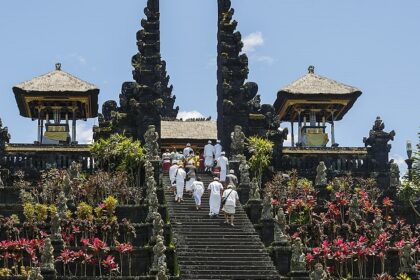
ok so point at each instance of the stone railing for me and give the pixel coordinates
(33, 157)
(337, 160)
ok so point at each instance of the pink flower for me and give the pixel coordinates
(110, 263)
(124, 248)
(309, 258)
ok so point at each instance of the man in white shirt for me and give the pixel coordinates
(217, 149)
(209, 152)
(198, 191)
(229, 198)
(180, 183)
(215, 189)
(187, 150)
(223, 162)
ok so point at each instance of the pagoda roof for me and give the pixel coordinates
(189, 130)
(313, 91)
(56, 81)
(312, 83)
(60, 88)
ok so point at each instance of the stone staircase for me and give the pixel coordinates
(208, 249)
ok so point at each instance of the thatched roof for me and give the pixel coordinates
(194, 130)
(312, 83)
(56, 81)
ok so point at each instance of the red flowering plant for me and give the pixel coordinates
(17, 251)
(125, 249)
(110, 264)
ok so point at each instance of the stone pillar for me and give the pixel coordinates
(281, 255)
(299, 128)
(267, 231)
(293, 133)
(253, 210)
(73, 129)
(243, 193)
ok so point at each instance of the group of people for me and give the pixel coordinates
(183, 176)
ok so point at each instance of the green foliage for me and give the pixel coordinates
(261, 150)
(118, 153)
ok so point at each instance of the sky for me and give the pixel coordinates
(373, 45)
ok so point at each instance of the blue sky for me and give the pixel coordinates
(373, 45)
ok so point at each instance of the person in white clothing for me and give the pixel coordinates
(229, 198)
(180, 184)
(172, 175)
(223, 163)
(217, 149)
(187, 150)
(209, 152)
(215, 189)
(198, 191)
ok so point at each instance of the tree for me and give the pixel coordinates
(119, 153)
(261, 151)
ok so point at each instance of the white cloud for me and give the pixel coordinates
(84, 133)
(400, 160)
(263, 59)
(189, 115)
(252, 41)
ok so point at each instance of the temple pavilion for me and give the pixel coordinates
(313, 102)
(55, 99)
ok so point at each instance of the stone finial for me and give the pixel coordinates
(311, 69)
(58, 66)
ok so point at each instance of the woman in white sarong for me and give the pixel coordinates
(215, 188)
(230, 197)
(180, 184)
(223, 162)
(198, 191)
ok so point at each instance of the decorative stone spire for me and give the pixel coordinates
(58, 66)
(148, 99)
(311, 69)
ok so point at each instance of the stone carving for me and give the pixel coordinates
(238, 102)
(319, 273)
(35, 274)
(4, 136)
(47, 255)
(394, 175)
(62, 205)
(377, 224)
(149, 98)
(149, 169)
(406, 256)
(151, 146)
(321, 175)
(237, 146)
(159, 257)
(278, 137)
(254, 192)
(244, 171)
(267, 208)
(162, 274)
(297, 262)
(56, 227)
(157, 226)
(280, 227)
(354, 211)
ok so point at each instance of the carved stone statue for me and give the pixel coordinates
(321, 174)
(244, 171)
(149, 169)
(56, 227)
(151, 138)
(377, 224)
(298, 262)
(354, 211)
(162, 274)
(267, 208)
(157, 226)
(35, 274)
(62, 205)
(159, 257)
(280, 227)
(4, 136)
(406, 256)
(319, 273)
(394, 176)
(254, 193)
(237, 146)
(47, 255)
